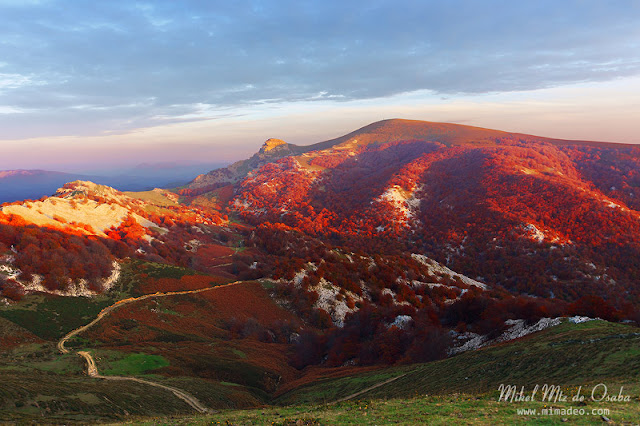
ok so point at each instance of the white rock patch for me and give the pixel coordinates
(517, 329)
(579, 319)
(534, 233)
(404, 201)
(401, 321)
(77, 288)
(436, 268)
(328, 300)
(299, 276)
(108, 283)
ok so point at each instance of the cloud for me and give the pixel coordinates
(14, 81)
(120, 65)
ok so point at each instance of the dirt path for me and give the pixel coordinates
(123, 302)
(377, 385)
(92, 368)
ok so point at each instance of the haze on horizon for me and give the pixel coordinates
(115, 84)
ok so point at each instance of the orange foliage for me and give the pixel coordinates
(246, 300)
(187, 282)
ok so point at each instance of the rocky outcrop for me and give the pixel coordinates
(272, 144)
(272, 150)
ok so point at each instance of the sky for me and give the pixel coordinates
(96, 84)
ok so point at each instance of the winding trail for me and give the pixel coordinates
(370, 388)
(92, 368)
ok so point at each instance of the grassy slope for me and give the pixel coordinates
(36, 395)
(51, 317)
(464, 388)
(567, 354)
(38, 382)
(153, 197)
(427, 410)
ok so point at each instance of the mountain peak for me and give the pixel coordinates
(271, 144)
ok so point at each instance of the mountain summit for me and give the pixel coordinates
(272, 144)
(385, 131)
(469, 197)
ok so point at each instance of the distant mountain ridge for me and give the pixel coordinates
(32, 184)
(21, 184)
(4, 174)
